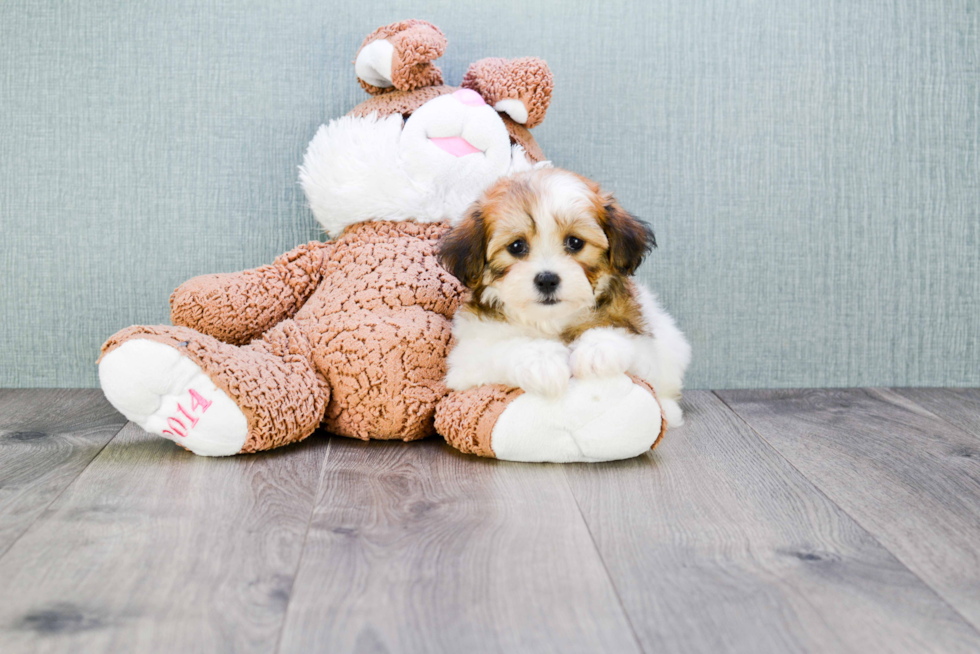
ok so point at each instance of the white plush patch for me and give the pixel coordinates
(513, 108)
(169, 395)
(595, 420)
(373, 64)
(453, 183)
(359, 169)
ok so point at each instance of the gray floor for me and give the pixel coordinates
(774, 521)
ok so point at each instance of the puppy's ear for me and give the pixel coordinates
(463, 249)
(630, 239)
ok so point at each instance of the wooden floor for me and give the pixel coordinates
(774, 521)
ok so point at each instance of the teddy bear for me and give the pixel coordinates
(351, 334)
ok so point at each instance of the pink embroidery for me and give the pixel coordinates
(182, 432)
(189, 416)
(197, 402)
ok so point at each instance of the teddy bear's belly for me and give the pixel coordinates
(380, 328)
(384, 302)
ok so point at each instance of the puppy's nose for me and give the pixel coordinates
(547, 282)
(469, 97)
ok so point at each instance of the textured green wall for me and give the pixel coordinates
(810, 166)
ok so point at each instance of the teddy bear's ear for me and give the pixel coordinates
(399, 56)
(520, 88)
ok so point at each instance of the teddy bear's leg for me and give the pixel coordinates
(385, 369)
(210, 397)
(595, 420)
(399, 56)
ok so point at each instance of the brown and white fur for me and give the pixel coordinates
(548, 257)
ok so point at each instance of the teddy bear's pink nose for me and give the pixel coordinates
(469, 97)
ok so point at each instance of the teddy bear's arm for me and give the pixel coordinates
(237, 307)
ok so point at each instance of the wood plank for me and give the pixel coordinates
(908, 477)
(418, 548)
(47, 437)
(960, 406)
(153, 549)
(715, 543)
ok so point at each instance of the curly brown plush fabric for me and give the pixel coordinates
(416, 44)
(527, 79)
(237, 307)
(466, 419)
(383, 329)
(360, 344)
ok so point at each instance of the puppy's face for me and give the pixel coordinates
(543, 247)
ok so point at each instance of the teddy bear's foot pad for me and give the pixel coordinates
(167, 394)
(595, 420)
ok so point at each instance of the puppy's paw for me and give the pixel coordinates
(542, 368)
(600, 353)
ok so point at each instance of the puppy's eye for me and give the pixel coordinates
(518, 248)
(574, 244)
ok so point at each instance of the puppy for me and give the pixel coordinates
(548, 258)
